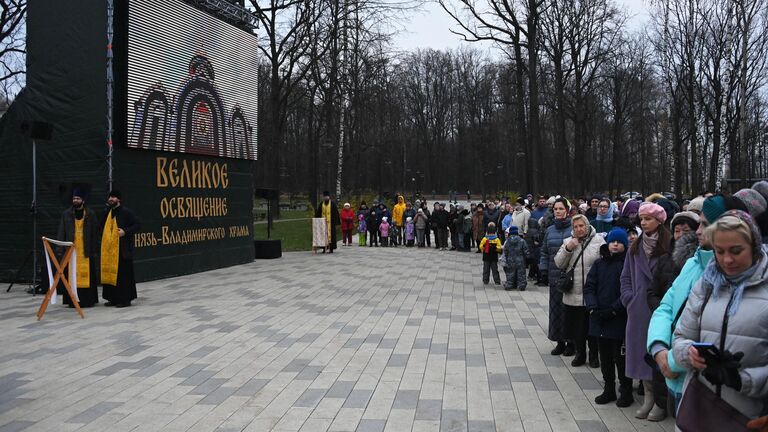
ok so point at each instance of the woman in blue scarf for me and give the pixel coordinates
(734, 287)
(603, 223)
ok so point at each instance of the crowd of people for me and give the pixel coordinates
(672, 295)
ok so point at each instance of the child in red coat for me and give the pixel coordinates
(347, 224)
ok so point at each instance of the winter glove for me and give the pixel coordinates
(725, 371)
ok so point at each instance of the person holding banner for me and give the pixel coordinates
(117, 277)
(78, 224)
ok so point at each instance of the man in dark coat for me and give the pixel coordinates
(491, 215)
(330, 211)
(441, 218)
(124, 291)
(79, 224)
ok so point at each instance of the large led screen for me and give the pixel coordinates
(192, 82)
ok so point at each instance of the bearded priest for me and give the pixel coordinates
(120, 224)
(80, 225)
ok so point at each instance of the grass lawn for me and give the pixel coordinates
(295, 235)
(261, 215)
(296, 214)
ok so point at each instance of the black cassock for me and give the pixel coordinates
(335, 220)
(88, 296)
(125, 290)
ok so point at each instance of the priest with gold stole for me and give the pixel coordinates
(120, 224)
(79, 224)
(329, 211)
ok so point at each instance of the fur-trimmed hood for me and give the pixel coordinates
(685, 247)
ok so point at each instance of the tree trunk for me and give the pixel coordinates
(534, 134)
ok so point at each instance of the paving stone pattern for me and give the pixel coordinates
(366, 339)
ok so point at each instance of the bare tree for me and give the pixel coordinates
(286, 30)
(12, 48)
(514, 24)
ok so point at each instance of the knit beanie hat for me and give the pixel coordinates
(753, 200)
(513, 230)
(551, 200)
(713, 208)
(686, 217)
(619, 235)
(762, 188)
(696, 204)
(653, 210)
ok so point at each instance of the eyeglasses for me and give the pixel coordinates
(603, 206)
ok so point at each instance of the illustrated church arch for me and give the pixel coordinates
(240, 133)
(200, 115)
(153, 112)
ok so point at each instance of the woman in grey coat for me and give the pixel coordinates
(554, 237)
(734, 286)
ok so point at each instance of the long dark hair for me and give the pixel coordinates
(663, 245)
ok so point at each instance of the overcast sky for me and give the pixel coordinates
(430, 28)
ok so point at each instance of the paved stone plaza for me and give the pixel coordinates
(366, 339)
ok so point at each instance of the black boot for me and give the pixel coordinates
(594, 361)
(569, 350)
(609, 394)
(559, 349)
(625, 396)
(579, 360)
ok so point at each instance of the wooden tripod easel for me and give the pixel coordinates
(60, 276)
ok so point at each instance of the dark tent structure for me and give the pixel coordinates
(182, 142)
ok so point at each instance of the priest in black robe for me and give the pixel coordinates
(124, 290)
(329, 210)
(80, 225)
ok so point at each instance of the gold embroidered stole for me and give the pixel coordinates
(110, 251)
(83, 263)
(327, 216)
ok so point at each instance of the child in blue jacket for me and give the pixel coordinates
(608, 318)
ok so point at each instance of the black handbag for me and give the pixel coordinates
(564, 282)
(702, 409)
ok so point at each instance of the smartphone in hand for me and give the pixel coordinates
(707, 350)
